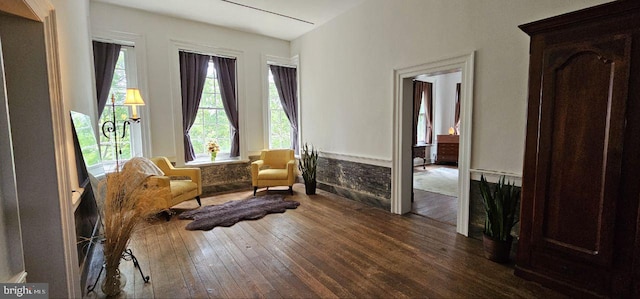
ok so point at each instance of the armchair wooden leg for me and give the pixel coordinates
(291, 190)
(198, 200)
(254, 191)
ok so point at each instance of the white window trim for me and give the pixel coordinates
(268, 60)
(138, 42)
(176, 95)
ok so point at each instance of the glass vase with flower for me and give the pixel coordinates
(213, 148)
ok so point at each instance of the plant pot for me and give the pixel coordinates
(310, 188)
(496, 250)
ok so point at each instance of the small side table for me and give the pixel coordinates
(420, 151)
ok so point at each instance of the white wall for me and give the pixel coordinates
(347, 71)
(76, 67)
(159, 33)
(445, 102)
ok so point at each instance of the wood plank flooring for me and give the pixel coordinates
(436, 206)
(329, 247)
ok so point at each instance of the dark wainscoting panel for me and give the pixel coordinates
(361, 182)
(221, 178)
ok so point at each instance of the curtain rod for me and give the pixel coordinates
(282, 64)
(208, 54)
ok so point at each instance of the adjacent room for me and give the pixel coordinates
(436, 146)
(333, 149)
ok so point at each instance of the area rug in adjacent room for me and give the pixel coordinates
(440, 180)
(229, 213)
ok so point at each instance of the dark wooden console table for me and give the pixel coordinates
(420, 151)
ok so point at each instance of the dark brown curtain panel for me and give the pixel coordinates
(286, 84)
(457, 115)
(226, 70)
(105, 56)
(193, 72)
(428, 109)
(418, 90)
(421, 89)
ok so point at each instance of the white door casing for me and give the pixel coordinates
(401, 170)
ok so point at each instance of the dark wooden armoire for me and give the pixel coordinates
(579, 228)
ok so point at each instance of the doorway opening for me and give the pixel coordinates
(436, 125)
(402, 165)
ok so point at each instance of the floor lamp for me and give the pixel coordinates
(109, 127)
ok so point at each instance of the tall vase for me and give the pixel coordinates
(213, 156)
(113, 282)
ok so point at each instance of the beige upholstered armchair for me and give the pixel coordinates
(188, 184)
(275, 168)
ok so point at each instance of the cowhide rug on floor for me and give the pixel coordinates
(227, 214)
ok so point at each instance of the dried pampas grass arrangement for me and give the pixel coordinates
(128, 200)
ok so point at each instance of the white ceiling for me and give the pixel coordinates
(283, 19)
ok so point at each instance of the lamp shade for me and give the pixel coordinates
(133, 97)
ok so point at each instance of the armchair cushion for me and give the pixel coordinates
(272, 174)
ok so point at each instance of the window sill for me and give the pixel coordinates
(206, 161)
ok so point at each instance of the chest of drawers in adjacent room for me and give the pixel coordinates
(447, 151)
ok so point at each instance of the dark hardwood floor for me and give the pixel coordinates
(328, 247)
(436, 206)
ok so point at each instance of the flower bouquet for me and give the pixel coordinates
(213, 147)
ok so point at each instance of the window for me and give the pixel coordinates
(279, 125)
(211, 121)
(131, 145)
(422, 123)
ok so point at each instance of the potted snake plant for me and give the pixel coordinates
(308, 165)
(500, 206)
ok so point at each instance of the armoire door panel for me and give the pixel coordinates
(580, 210)
(579, 158)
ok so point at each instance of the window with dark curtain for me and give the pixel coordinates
(226, 70)
(105, 56)
(422, 91)
(193, 72)
(457, 115)
(287, 86)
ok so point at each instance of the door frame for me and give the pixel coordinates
(401, 170)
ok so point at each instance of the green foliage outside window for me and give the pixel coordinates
(87, 140)
(279, 125)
